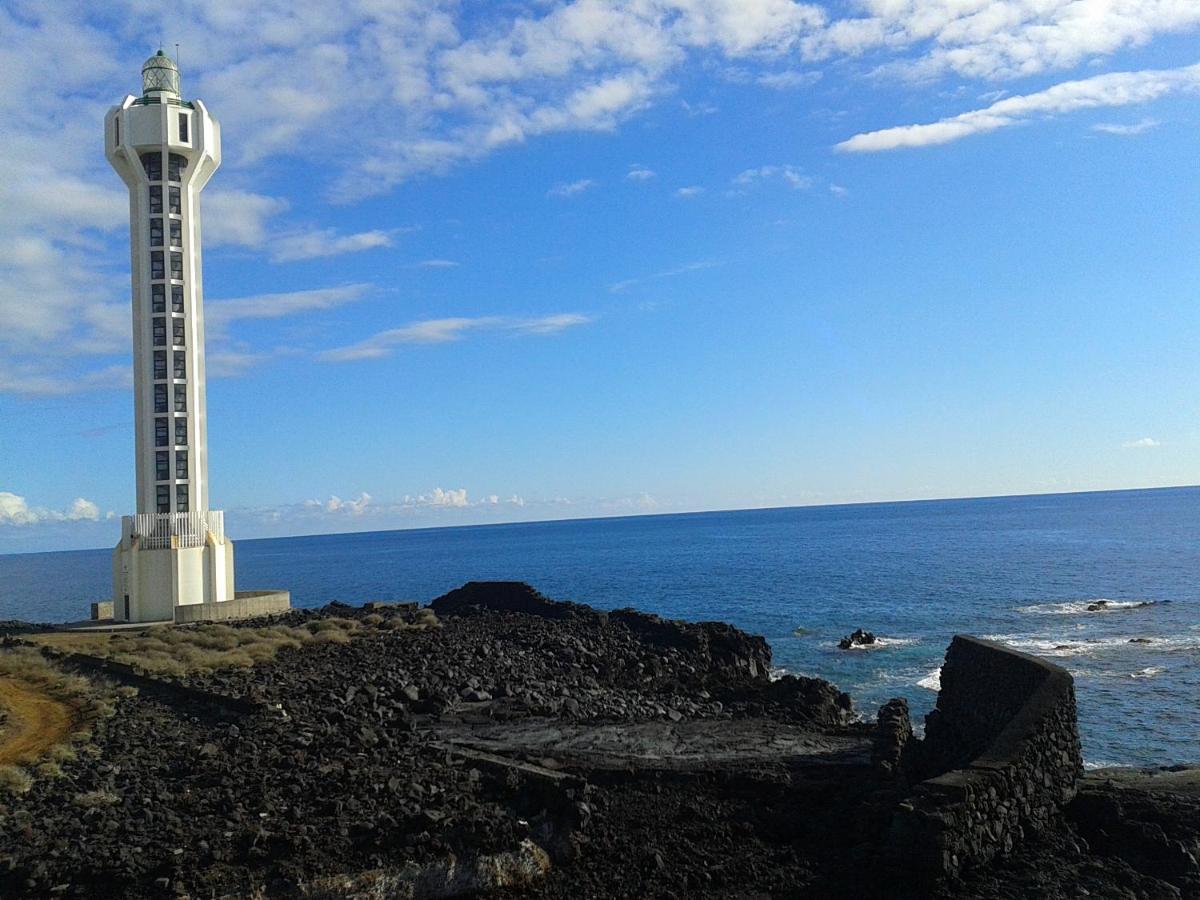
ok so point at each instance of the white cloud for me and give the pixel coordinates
(997, 38)
(15, 510)
(437, 264)
(571, 188)
(237, 217)
(789, 79)
(1126, 130)
(789, 175)
(219, 313)
(336, 504)
(444, 331)
(692, 190)
(326, 242)
(438, 497)
(1110, 90)
(1141, 443)
(838, 191)
(639, 173)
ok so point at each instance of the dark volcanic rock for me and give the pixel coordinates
(859, 638)
(476, 597)
(893, 733)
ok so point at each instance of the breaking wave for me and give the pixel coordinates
(932, 681)
(881, 643)
(1075, 646)
(1079, 607)
(1148, 672)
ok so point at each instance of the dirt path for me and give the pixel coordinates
(35, 723)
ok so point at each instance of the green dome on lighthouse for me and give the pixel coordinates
(160, 73)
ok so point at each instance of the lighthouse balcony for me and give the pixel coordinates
(157, 531)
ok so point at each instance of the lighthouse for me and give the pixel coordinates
(174, 561)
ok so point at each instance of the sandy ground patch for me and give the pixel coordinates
(35, 721)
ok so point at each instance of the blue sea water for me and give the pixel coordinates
(1017, 569)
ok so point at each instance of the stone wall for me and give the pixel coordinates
(1000, 758)
(244, 605)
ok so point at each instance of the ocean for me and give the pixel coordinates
(1023, 570)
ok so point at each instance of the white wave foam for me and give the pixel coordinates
(932, 681)
(1101, 764)
(1148, 672)
(881, 643)
(1077, 607)
(1074, 646)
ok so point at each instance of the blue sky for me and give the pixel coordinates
(474, 263)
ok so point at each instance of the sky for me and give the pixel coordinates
(469, 263)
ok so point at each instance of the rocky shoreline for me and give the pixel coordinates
(510, 744)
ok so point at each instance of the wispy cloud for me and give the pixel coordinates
(1110, 90)
(1126, 130)
(365, 505)
(788, 175)
(1141, 444)
(326, 242)
(436, 264)
(789, 79)
(692, 190)
(639, 173)
(219, 313)
(444, 331)
(571, 188)
(622, 286)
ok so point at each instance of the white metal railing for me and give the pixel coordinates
(190, 529)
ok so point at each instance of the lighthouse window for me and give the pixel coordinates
(161, 433)
(164, 498)
(183, 128)
(156, 232)
(176, 298)
(157, 269)
(160, 364)
(158, 299)
(160, 398)
(181, 471)
(177, 332)
(156, 198)
(180, 364)
(162, 465)
(181, 430)
(173, 198)
(176, 233)
(152, 163)
(175, 166)
(180, 398)
(160, 332)
(181, 498)
(177, 266)
(116, 131)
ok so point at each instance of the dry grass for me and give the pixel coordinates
(49, 716)
(174, 651)
(14, 780)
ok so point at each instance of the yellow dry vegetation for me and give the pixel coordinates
(172, 651)
(45, 710)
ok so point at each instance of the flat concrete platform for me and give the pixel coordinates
(694, 744)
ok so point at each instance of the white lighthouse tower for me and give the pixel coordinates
(173, 554)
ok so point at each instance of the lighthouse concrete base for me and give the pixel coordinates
(149, 585)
